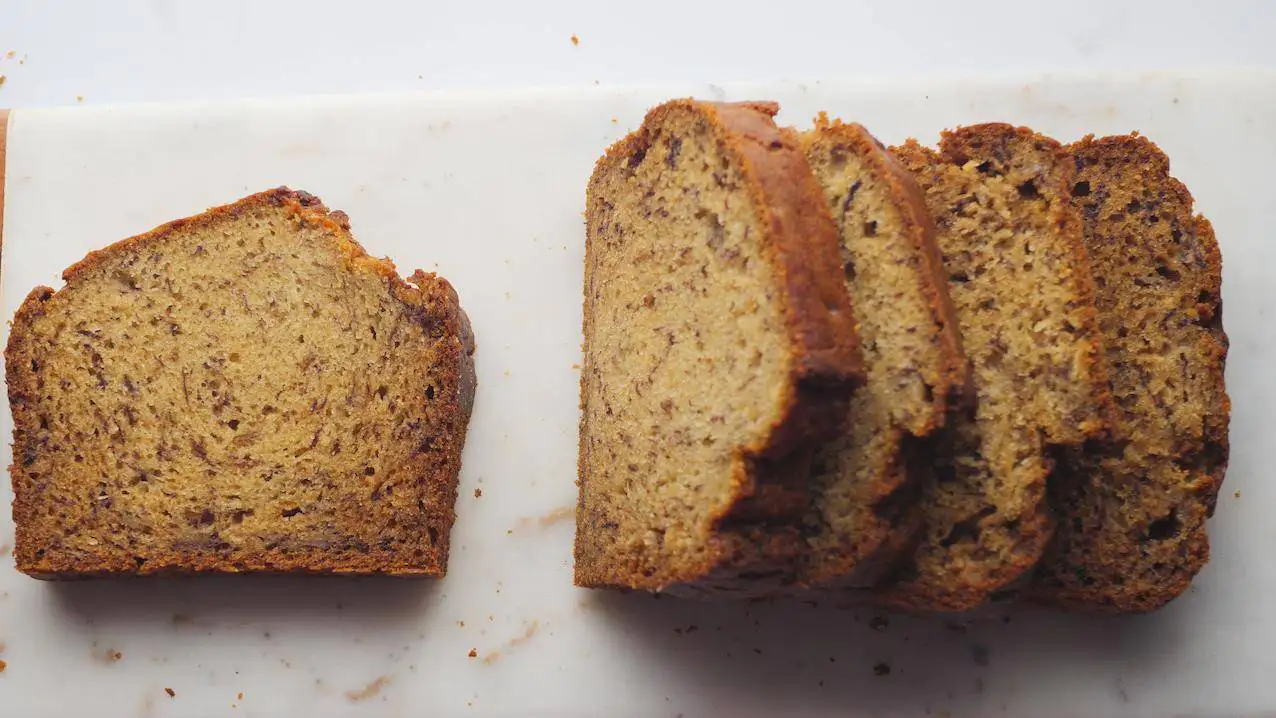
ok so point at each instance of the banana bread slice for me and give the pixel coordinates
(1132, 519)
(241, 391)
(864, 510)
(719, 348)
(1021, 284)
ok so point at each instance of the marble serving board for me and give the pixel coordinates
(487, 189)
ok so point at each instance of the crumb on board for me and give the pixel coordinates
(2, 80)
(369, 691)
(615, 120)
(575, 40)
(171, 693)
(557, 516)
(108, 656)
(10, 54)
(575, 366)
(478, 493)
(473, 653)
(1237, 494)
(460, 624)
(882, 669)
(79, 98)
(240, 696)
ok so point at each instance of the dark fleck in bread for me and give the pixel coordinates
(1018, 276)
(1132, 519)
(244, 390)
(719, 348)
(864, 498)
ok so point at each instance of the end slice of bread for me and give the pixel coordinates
(245, 390)
(719, 348)
(1021, 284)
(1132, 517)
(864, 509)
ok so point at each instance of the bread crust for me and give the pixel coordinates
(759, 533)
(435, 306)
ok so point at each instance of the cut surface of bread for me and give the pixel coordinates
(1132, 519)
(244, 390)
(864, 509)
(1021, 285)
(719, 348)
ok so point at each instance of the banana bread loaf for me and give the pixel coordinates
(244, 390)
(864, 510)
(719, 348)
(1020, 281)
(1132, 518)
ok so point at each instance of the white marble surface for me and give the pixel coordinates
(487, 188)
(91, 52)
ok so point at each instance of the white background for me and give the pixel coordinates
(296, 647)
(158, 50)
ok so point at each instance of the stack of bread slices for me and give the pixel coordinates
(927, 377)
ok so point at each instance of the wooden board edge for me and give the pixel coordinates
(4, 135)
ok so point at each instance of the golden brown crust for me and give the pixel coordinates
(435, 307)
(759, 526)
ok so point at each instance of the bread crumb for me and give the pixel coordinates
(575, 40)
(171, 693)
(10, 54)
(110, 655)
(473, 653)
(575, 366)
(79, 98)
(2, 80)
(478, 493)
(240, 696)
(369, 691)
(615, 120)
(1237, 494)
(882, 669)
